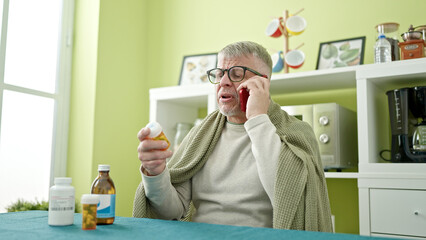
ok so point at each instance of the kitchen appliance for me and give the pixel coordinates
(413, 45)
(335, 128)
(407, 112)
(422, 29)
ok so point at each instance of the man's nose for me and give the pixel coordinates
(225, 81)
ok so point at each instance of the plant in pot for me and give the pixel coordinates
(23, 205)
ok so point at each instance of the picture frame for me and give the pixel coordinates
(341, 53)
(194, 68)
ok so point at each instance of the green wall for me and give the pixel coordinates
(123, 48)
(109, 102)
(83, 91)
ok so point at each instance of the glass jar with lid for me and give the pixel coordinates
(182, 129)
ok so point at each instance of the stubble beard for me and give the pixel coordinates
(233, 111)
(229, 112)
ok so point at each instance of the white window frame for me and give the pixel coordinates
(61, 96)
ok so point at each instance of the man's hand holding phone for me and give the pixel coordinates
(254, 96)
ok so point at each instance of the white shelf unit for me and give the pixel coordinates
(377, 180)
(391, 195)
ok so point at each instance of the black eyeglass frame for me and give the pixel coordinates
(229, 76)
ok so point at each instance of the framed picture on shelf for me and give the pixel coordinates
(341, 53)
(194, 68)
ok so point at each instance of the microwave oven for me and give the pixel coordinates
(335, 128)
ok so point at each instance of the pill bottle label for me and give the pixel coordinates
(62, 203)
(61, 210)
(106, 205)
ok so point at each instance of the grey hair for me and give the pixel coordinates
(247, 48)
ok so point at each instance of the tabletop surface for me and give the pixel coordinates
(33, 225)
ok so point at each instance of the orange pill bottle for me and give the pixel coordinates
(89, 204)
(157, 133)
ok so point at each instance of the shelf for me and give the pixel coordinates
(317, 80)
(387, 72)
(189, 95)
(394, 73)
(346, 175)
(407, 73)
(402, 170)
(373, 81)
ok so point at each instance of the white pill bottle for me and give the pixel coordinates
(61, 202)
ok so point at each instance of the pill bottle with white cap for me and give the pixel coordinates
(157, 133)
(89, 204)
(61, 202)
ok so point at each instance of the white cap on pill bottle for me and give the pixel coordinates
(155, 128)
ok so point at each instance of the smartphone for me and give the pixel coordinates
(244, 94)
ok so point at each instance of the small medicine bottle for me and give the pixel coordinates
(61, 202)
(104, 188)
(89, 204)
(157, 133)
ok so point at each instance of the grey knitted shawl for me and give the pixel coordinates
(300, 199)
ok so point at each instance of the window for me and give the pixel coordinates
(35, 63)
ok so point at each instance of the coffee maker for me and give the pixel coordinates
(407, 111)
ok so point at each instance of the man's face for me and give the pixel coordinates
(226, 91)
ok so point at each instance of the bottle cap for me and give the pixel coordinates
(89, 199)
(62, 180)
(155, 128)
(103, 167)
(381, 35)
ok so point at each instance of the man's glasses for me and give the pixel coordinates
(235, 74)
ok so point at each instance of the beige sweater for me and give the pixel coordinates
(300, 194)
